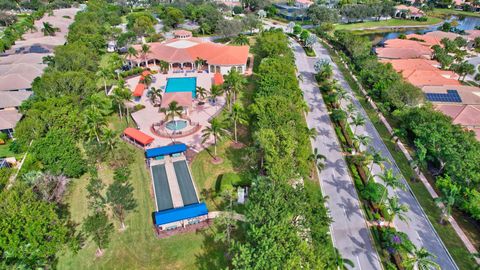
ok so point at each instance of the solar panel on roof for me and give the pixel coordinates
(450, 96)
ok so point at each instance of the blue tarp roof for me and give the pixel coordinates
(165, 150)
(177, 214)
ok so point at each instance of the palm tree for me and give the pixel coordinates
(172, 111)
(49, 30)
(420, 259)
(199, 62)
(144, 51)
(318, 159)
(378, 159)
(31, 27)
(396, 209)
(358, 120)
(217, 131)
(234, 83)
(155, 96)
(448, 201)
(362, 140)
(215, 92)
(390, 180)
(104, 74)
(350, 109)
(340, 262)
(342, 94)
(338, 115)
(147, 79)
(109, 138)
(238, 116)
(241, 39)
(94, 122)
(119, 96)
(131, 52)
(164, 66)
(201, 92)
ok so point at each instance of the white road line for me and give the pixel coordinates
(358, 261)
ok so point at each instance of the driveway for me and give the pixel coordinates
(349, 230)
(418, 228)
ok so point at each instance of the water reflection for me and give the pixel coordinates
(464, 23)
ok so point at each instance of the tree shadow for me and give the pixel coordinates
(213, 254)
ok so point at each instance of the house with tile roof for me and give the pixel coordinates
(408, 12)
(184, 54)
(467, 116)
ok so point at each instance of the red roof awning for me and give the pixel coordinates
(139, 90)
(146, 73)
(217, 79)
(138, 136)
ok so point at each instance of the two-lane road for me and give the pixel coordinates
(349, 230)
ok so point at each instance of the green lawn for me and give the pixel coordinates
(5, 151)
(386, 24)
(137, 247)
(445, 12)
(451, 240)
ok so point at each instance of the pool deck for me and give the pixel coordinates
(146, 117)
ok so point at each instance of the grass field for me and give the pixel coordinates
(386, 24)
(451, 240)
(444, 12)
(137, 247)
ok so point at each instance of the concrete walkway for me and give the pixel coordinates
(349, 230)
(418, 228)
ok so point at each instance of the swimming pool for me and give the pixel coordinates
(176, 125)
(187, 84)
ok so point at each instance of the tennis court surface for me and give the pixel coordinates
(189, 196)
(162, 189)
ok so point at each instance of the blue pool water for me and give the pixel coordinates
(176, 125)
(187, 84)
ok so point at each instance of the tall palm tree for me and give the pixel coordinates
(238, 116)
(390, 180)
(358, 120)
(318, 159)
(396, 209)
(201, 92)
(420, 259)
(144, 51)
(104, 74)
(217, 131)
(155, 96)
(448, 200)
(172, 111)
(199, 62)
(49, 30)
(164, 66)
(215, 92)
(234, 83)
(119, 96)
(94, 122)
(340, 262)
(131, 52)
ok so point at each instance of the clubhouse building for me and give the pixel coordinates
(185, 53)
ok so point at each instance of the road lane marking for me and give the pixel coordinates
(359, 265)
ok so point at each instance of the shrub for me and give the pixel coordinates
(229, 181)
(3, 136)
(373, 192)
(138, 107)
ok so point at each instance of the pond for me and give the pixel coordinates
(464, 23)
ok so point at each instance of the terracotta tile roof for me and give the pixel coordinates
(465, 115)
(10, 99)
(422, 78)
(183, 99)
(410, 44)
(427, 40)
(217, 79)
(138, 136)
(440, 35)
(9, 119)
(401, 53)
(188, 50)
(477, 133)
(139, 90)
(413, 10)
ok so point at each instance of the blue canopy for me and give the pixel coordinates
(165, 150)
(177, 214)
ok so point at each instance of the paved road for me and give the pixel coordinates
(349, 231)
(418, 228)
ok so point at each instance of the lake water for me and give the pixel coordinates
(464, 23)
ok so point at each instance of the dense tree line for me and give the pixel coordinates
(287, 223)
(65, 134)
(446, 150)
